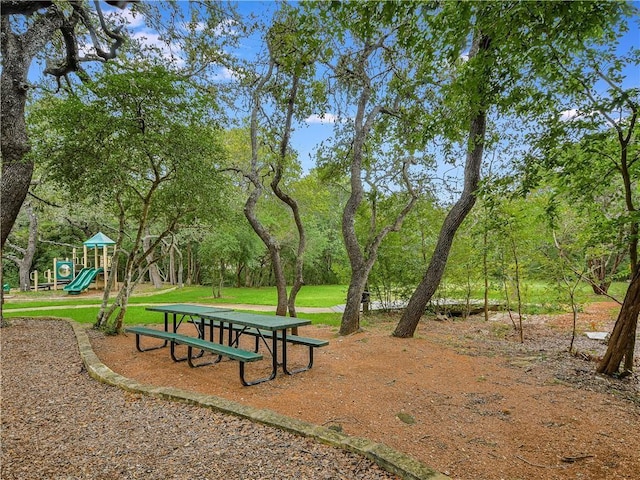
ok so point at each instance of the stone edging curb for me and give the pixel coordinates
(391, 460)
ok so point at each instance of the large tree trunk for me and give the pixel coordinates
(623, 337)
(284, 303)
(18, 52)
(270, 242)
(411, 316)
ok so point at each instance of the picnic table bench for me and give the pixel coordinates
(234, 353)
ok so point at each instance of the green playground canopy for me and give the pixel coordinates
(99, 240)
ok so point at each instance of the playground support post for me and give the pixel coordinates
(34, 277)
(104, 265)
(55, 274)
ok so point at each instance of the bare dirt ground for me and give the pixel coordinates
(463, 396)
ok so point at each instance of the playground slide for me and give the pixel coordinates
(79, 279)
(82, 280)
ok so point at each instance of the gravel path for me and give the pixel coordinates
(59, 424)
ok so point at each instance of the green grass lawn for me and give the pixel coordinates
(309, 296)
(85, 309)
(139, 315)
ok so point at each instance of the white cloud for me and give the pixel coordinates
(324, 118)
(568, 115)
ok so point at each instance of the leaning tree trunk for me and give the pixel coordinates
(351, 316)
(623, 338)
(272, 246)
(415, 308)
(281, 281)
(417, 303)
(298, 279)
(622, 341)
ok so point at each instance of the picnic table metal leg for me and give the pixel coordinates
(254, 382)
(260, 337)
(164, 343)
(140, 349)
(221, 333)
(190, 358)
(274, 364)
(274, 354)
(201, 332)
(302, 369)
(210, 329)
(182, 359)
(284, 357)
(173, 354)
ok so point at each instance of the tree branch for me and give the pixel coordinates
(23, 7)
(40, 199)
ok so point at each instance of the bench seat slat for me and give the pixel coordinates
(231, 352)
(152, 332)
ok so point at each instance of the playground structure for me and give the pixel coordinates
(94, 269)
